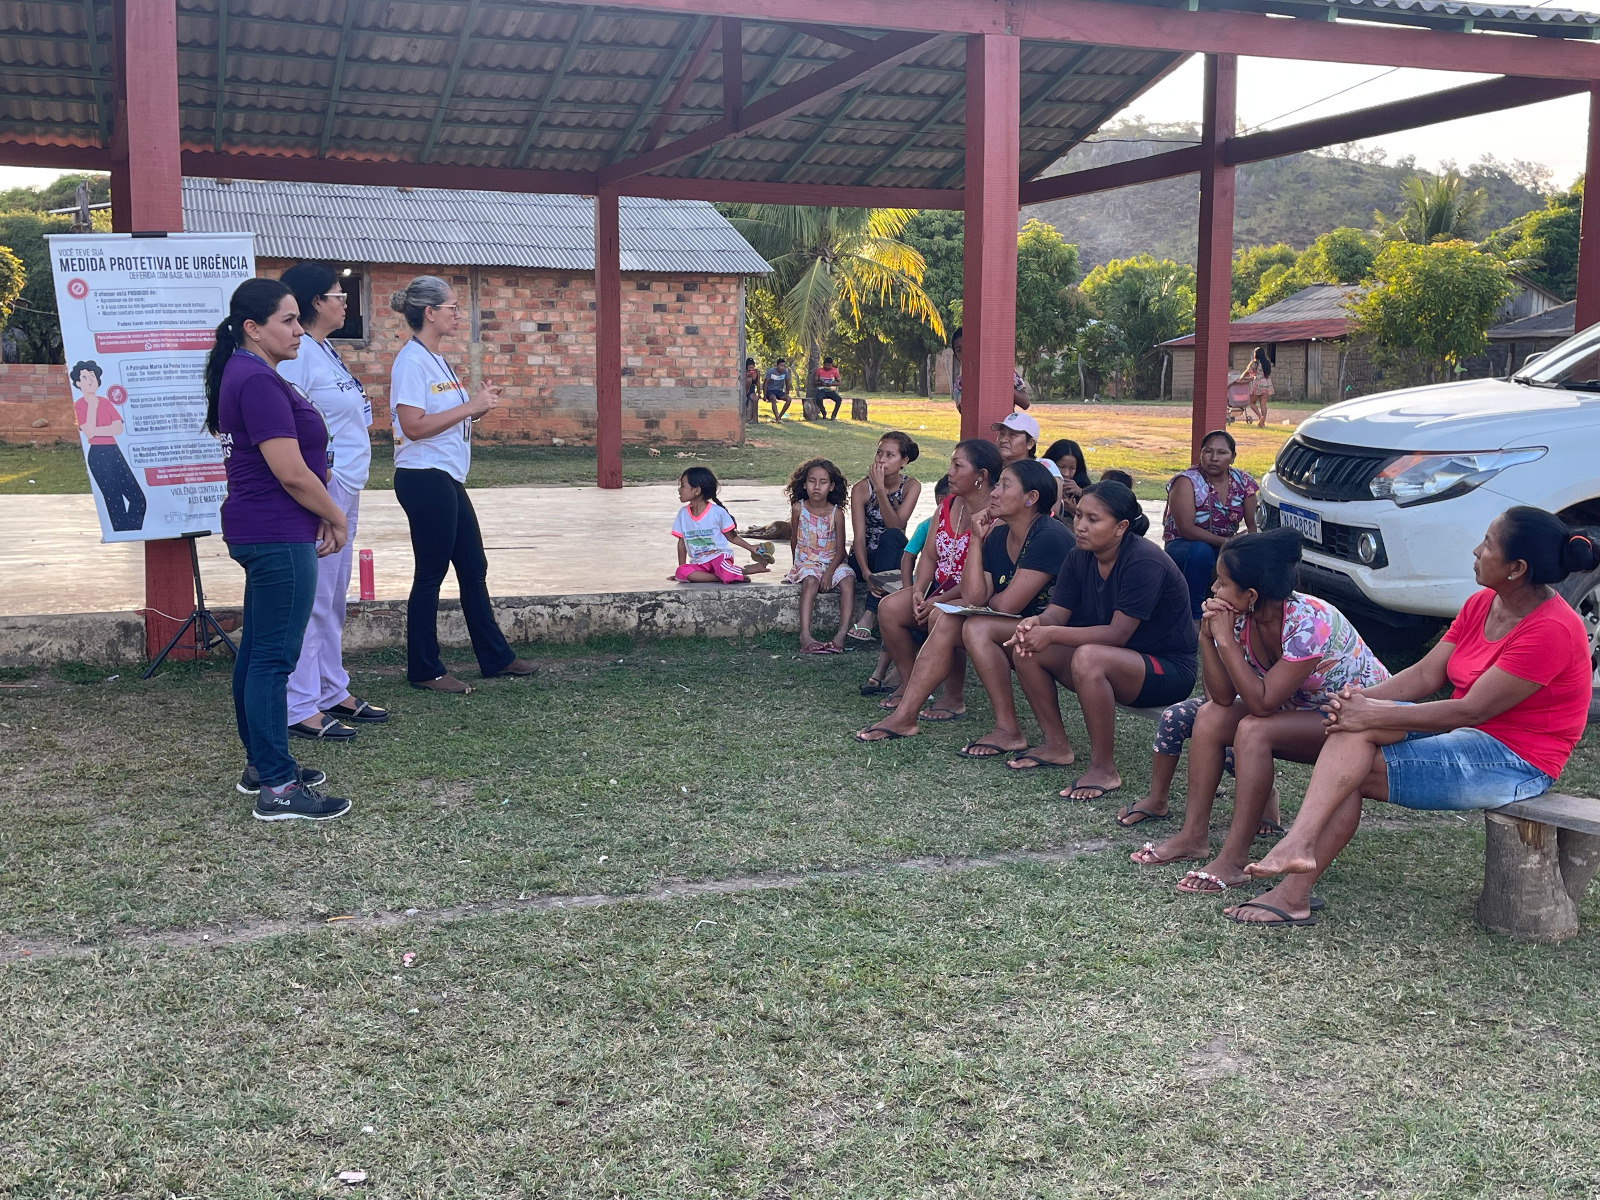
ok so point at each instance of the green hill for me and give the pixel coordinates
(1286, 200)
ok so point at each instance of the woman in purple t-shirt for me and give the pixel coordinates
(277, 520)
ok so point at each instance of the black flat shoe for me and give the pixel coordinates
(329, 731)
(361, 713)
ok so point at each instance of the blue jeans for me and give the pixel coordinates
(280, 582)
(1197, 561)
(1458, 771)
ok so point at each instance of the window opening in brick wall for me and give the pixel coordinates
(354, 283)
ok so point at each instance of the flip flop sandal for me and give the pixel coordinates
(1149, 848)
(1284, 919)
(362, 713)
(950, 715)
(329, 731)
(892, 703)
(859, 633)
(876, 687)
(1206, 884)
(1039, 764)
(1143, 814)
(822, 648)
(1080, 786)
(1316, 904)
(889, 735)
(967, 751)
(1268, 829)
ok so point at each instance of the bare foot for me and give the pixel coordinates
(1286, 858)
(1174, 849)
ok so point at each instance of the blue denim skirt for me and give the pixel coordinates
(1459, 770)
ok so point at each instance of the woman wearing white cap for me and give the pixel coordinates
(1017, 437)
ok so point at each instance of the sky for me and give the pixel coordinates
(1278, 92)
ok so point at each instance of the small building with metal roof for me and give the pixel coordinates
(1511, 342)
(523, 268)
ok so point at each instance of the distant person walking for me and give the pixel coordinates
(319, 688)
(277, 520)
(1259, 376)
(775, 384)
(100, 423)
(1020, 397)
(432, 452)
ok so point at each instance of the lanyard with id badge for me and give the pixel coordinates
(444, 365)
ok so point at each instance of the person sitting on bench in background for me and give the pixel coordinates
(827, 382)
(1517, 663)
(775, 385)
(1117, 631)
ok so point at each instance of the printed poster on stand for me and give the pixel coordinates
(138, 317)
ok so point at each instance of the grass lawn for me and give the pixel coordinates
(1059, 1023)
(1139, 438)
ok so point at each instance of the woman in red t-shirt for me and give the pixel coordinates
(1517, 662)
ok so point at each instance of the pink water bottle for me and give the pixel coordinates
(368, 588)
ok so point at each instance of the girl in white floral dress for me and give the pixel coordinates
(817, 492)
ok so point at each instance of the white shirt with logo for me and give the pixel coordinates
(324, 380)
(423, 379)
(704, 537)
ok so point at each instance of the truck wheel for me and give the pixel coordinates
(1583, 593)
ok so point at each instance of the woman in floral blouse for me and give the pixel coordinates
(1272, 657)
(1206, 505)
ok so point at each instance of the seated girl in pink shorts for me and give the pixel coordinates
(706, 534)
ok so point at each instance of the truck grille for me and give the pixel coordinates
(1319, 471)
(1338, 541)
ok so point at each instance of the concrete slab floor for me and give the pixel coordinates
(541, 541)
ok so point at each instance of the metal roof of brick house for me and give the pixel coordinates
(1554, 322)
(435, 227)
(1316, 313)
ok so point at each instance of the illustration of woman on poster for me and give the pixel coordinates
(100, 422)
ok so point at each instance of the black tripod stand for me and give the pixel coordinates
(200, 621)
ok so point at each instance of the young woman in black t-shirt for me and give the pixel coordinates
(1117, 631)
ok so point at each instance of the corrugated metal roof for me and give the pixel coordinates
(1319, 302)
(1262, 332)
(434, 227)
(1554, 322)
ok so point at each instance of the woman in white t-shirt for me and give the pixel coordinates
(432, 450)
(319, 687)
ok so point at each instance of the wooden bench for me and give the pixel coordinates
(1539, 856)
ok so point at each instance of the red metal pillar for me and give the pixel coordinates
(1588, 311)
(989, 266)
(147, 196)
(607, 339)
(1214, 264)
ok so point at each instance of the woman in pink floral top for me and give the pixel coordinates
(1271, 658)
(1206, 505)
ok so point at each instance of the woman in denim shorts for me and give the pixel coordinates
(1517, 663)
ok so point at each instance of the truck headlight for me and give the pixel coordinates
(1423, 478)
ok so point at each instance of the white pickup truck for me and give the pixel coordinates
(1391, 492)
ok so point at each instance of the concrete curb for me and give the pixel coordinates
(685, 610)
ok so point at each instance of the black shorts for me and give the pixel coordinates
(1166, 681)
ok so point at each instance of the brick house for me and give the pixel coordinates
(523, 268)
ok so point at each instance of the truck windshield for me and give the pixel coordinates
(1574, 365)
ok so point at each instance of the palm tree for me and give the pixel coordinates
(1434, 209)
(827, 261)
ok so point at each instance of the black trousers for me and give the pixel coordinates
(444, 533)
(885, 558)
(830, 394)
(125, 502)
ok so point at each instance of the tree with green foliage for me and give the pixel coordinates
(1543, 244)
(1138, 303)
(937, 235)
(1434, 208)
(12, 277)
(58, 193)
(828, 262)
(1435, 301)
(1250, 263)
(1049, 309)
(34, 323)
(1342, 255)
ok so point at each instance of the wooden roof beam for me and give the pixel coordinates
(827, 33)
(797, 160)
(669, 108)
(536, 119)
(732, 70)
(922, 127)
(1113, 175)
(337, 78)
(469, 24)
(690, 38)
(887, 51)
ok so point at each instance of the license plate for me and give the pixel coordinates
(1307, 523)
